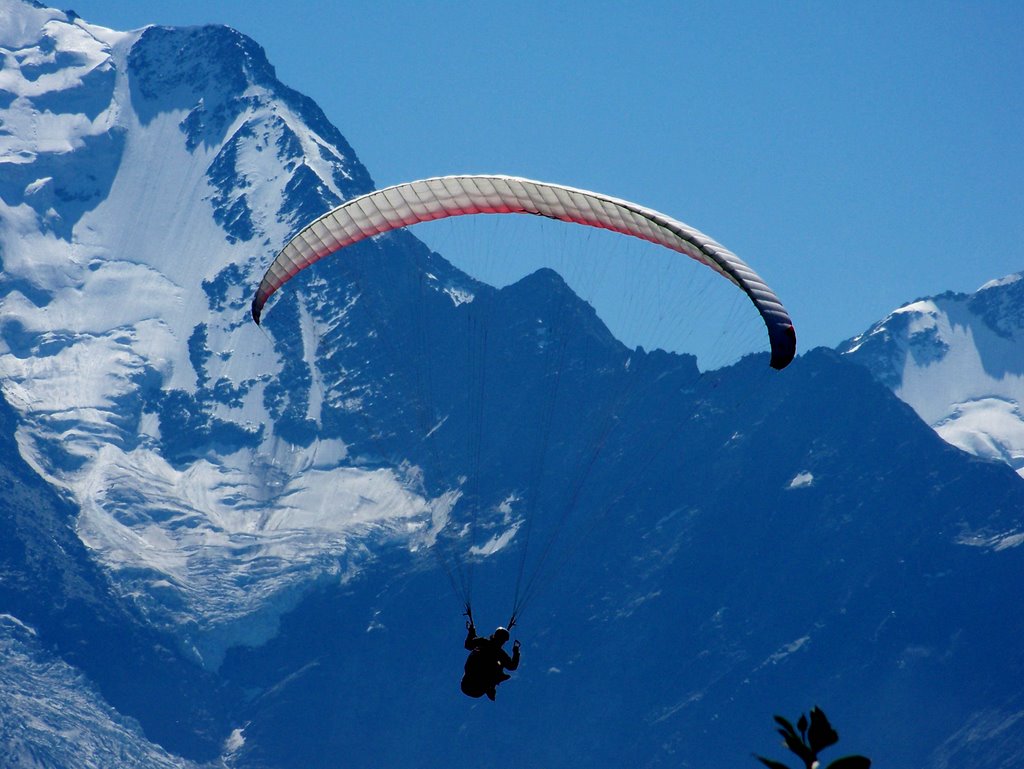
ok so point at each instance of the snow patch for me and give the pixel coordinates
(37, 185)
(996, 542)
(987, 427)
(235, 741)
(791, 648)
(459, 296)
(440, 509)
(1009, 280)
(801, 481)
(497, 542)
(375, 623)
(10, 619)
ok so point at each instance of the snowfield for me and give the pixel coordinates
(107, 302)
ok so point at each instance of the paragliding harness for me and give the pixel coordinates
(485, 667)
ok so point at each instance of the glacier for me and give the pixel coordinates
(117, 289)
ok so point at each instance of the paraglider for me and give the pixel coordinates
(436, 198)
(487, 662)
(441, 197)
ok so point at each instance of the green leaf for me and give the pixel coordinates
(786, 725)
(821, 733)
(850, 762)
(771, 764)
(796, 745)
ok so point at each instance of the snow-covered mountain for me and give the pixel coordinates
(217, 543)
(958, 361)
(140, 201)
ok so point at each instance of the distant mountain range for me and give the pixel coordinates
(227, 546)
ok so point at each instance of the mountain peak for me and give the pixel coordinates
(1007, 280)
(545, 295)
(212, 65)
(958, 360)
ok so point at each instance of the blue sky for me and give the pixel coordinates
(858, 155)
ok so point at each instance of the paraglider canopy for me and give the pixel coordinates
(441, 197)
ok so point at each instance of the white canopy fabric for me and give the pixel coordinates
(446, 196)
